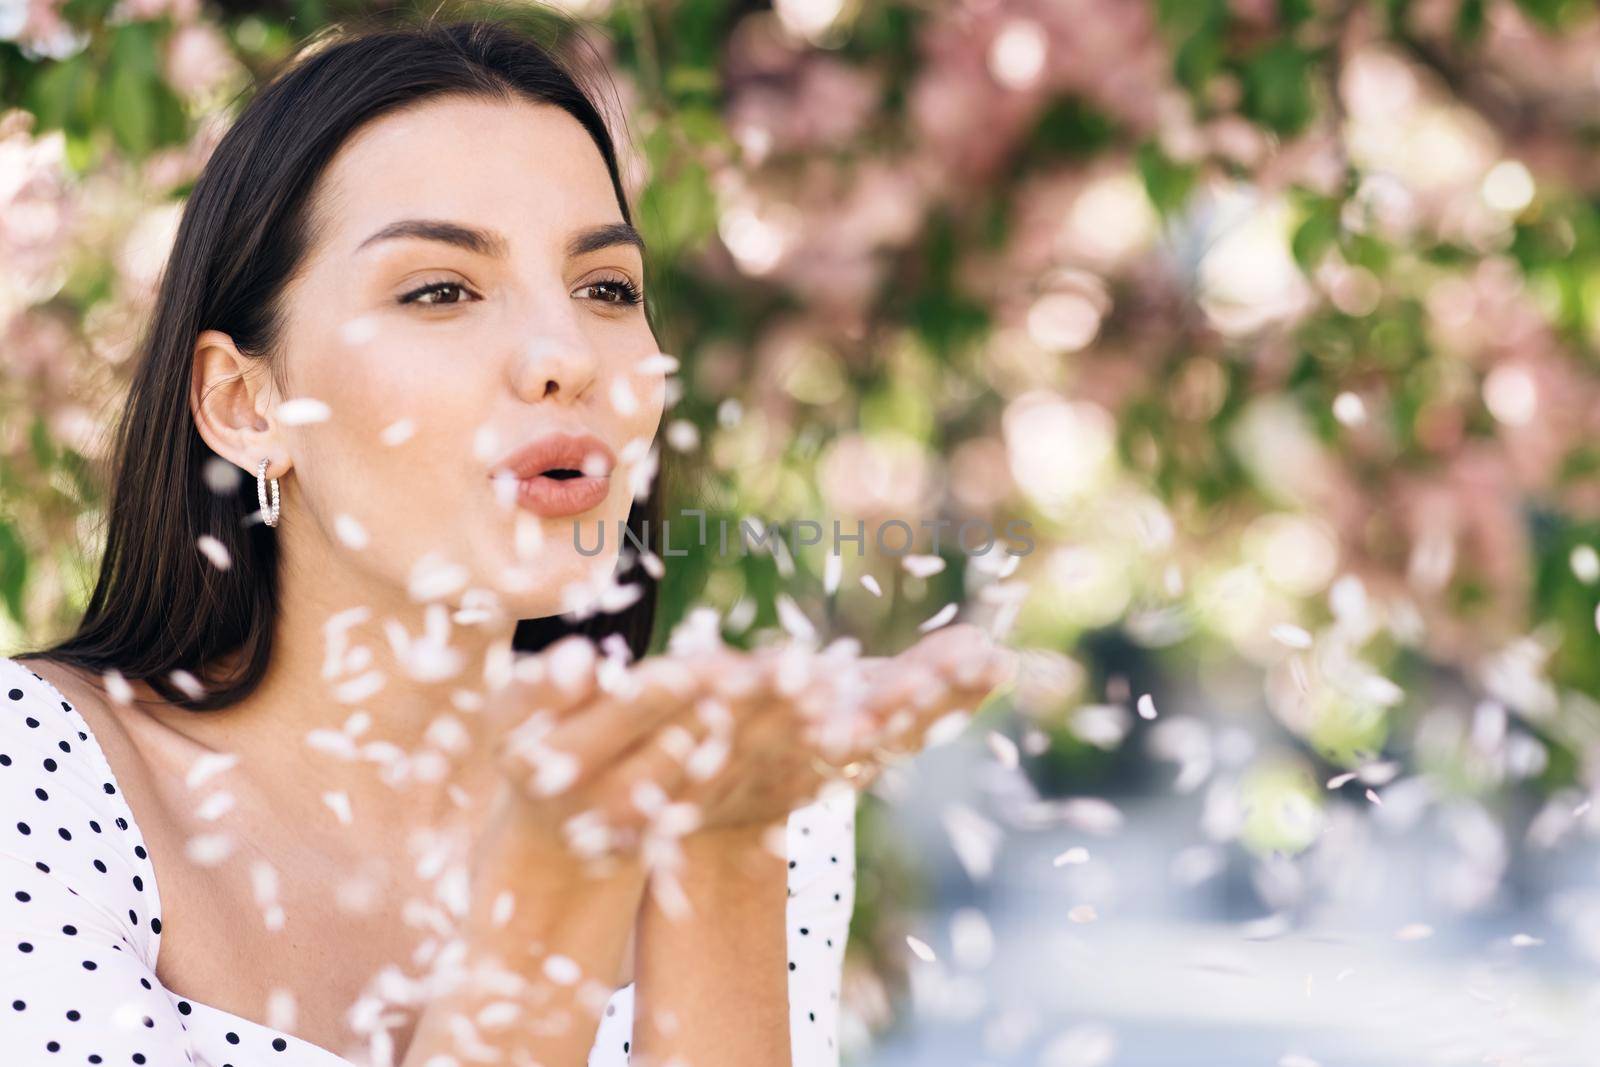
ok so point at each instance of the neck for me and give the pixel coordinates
(368, 702)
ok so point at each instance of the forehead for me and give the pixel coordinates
(527, 169)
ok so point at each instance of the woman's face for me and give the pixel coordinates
(440, 349)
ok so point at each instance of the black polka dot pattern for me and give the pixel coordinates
(80, 922)
(80, 927)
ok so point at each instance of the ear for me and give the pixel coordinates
(230, 397)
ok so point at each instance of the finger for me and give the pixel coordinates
(546, 684)
(638, 796)
(552, 757)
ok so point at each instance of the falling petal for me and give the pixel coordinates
(975, 838)
(354, 690)
(555, 773)
(1585, 563)
(922, 566)
(359, 331)
(920, 947)
(281, 1009)
(946, 728)
(188, 683)
(1291, 636)
(117, 687)
(1004, 749)
(623, 398)
(208, 766)
(1085, 1045)
(264, 885)
(708, 758)
(660, 363)
(215, 551)
(434, 577)
(303, 411)
(215, 806)
(682, 435)
(1094, 815)
(1147, 706)
(331, 742)
(562, 970)
(221, 476)
(398, 432)
(939, 618)
(572, 664)
(648, 797)
(832, 571)
(208, 850)
(350, 532)
(1525, 940)
(971, 938)
(1372, 796)
(871, 585)
(1349, 410)
(1082, 913)
(1076, 854)
(339, 804)
(794, 620)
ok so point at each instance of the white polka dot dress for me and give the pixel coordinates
(80, 918)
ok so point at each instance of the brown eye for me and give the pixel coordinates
(418, 296)
(623, 291)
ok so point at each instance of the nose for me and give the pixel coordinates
(555, 367)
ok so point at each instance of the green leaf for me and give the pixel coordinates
(1550, 13)
(1167, 182)
(1277, 87)
(1070, 128)
(13, 570)
(1197, 58)
(692, 81)
(1292, 13)
(1315, 235)
(1469, 21)
(44, 451)
(130, 111)
(135, 101)
(62, 97)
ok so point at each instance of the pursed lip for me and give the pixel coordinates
(582, 452)
(559, 474)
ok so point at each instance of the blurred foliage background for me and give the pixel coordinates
(1276, 320)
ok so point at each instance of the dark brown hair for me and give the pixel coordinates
(159, 604)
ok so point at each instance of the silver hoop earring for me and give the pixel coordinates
(269, 516)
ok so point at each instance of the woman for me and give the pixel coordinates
(332, 765)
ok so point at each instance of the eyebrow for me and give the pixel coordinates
(492, 243)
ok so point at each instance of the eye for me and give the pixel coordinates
(418, 296)
(623, 291)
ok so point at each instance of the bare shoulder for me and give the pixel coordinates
(88, 697)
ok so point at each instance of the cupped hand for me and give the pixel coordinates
(613, 755)
(835, 717)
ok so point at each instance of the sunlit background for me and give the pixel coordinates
(1276, 320)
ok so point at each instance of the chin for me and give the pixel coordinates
(558, 580)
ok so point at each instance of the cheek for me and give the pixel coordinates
(418, 407)
(398, 439)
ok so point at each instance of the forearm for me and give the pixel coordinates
(712, 986)
(543, 958)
